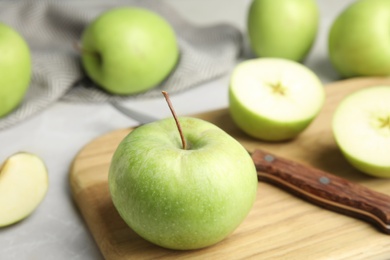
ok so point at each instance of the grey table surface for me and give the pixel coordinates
(56, 229)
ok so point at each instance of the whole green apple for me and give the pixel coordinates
(274, 99)
(129, 50)
(282, 28)
(358, 39)
(15, 69)
(182, 198)
(361, 127)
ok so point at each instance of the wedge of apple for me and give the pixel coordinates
(23, 185)
(361, 127)
(274, 99)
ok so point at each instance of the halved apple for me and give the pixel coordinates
(361, 127)
(23, 185)
(274, 99)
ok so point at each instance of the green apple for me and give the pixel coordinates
(282, 28)
(23, 185)
(274, 99)
(361, 127)
(182, 198)
(129, 50)
(358, 39)
(15, 69)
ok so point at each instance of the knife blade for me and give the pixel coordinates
(314, 185)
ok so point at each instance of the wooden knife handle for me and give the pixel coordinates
(324, 189)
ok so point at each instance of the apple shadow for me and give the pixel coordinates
(116, 238)
(331, 159)
(328, 158)
(224, 121)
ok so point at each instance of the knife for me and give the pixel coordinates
(311, 184)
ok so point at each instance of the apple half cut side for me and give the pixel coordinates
(23, 185)
(361, 127)
(274, 99)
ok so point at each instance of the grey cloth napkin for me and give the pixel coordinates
(51, 29)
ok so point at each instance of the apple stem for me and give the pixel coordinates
(79, 48)
(183, 140)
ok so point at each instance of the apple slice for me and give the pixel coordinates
(274, 99)
(23, 185)
(361, 127)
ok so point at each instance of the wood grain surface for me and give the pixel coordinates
(280, 226)
(324, 189)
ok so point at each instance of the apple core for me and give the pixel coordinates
(385, 122)
(278, 88)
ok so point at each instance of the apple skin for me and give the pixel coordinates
(358, 39)
(261, 127)
(15, 69)
(282, 28)
(182, 199)
(367, 167)
(129, 50)
(361, 127)
(269, 117)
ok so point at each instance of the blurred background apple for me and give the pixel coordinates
(15, 69)
(129, 50)
(282, 28)
(359, 39)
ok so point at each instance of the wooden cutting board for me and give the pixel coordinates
(280, 226)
